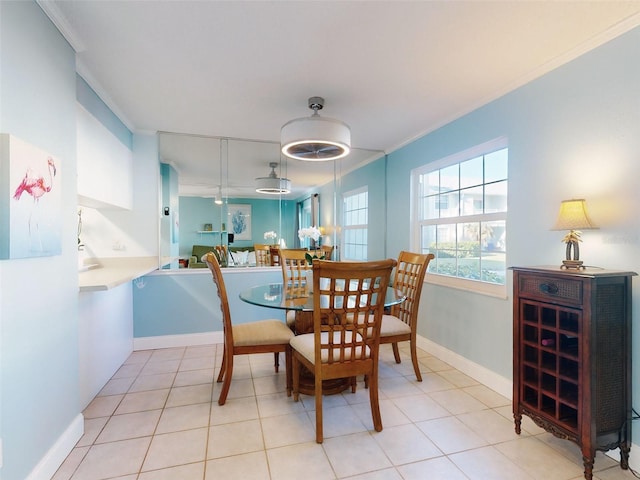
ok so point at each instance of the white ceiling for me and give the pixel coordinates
(392, 70)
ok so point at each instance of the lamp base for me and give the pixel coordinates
(572, 265)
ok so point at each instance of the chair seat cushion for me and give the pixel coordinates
(392, 325)
(304, 344)
(262, 332)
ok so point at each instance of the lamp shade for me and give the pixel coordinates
(573, 216)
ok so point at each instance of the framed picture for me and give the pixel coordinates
(30, 200)
(240, 221)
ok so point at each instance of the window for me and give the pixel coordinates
(355, 209)
(308, 216)
(459, 214)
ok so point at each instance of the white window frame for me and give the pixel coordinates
(346, 227)
(476, 286)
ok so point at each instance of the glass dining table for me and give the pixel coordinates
(300, 300)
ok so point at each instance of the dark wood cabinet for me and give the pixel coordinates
(572, 356)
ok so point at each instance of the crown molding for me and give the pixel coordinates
(52, 11)
(85, 73)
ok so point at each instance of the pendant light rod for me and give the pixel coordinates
(218, 197)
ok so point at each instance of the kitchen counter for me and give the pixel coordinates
(106, 273)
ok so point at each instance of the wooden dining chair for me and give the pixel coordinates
(263, 336)
(295, 266)
(263, 254)
(326, 251)
(401, 324)
(348, 303)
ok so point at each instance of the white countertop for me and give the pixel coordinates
(106, 273)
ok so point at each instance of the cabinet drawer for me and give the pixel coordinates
(551, 289)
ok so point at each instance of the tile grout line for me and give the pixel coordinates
(256, 369)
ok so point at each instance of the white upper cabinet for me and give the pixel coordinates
(105, 165)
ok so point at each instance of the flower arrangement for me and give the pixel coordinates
(311, 232)
(271, 236)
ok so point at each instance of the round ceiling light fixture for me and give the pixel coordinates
(315, 138)
(273, 185)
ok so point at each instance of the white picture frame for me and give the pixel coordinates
(30, 200)
(239, 221)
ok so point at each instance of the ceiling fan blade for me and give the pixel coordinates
(315, 150)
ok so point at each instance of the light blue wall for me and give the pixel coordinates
(186, 302)
(194, 213)
(265, 217)
(573, 133)
(288, 222)
(371, 176)
(39, 394)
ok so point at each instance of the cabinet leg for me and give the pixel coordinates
(588, 467)
(624, 455)
(517, 418)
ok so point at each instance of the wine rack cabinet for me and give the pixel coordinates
(572, 356)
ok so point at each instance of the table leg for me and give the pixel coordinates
(304, 322)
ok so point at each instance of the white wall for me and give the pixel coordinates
(106, 317)
(106, 337)
(113, 232)
(105, 173)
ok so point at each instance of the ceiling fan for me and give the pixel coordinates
(315, 138)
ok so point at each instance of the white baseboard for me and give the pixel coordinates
(49, 464)
(171, 341)
(498, 383)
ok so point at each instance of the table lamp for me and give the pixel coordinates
(573, 216)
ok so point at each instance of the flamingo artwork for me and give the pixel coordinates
(36, 186)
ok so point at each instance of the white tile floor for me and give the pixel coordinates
(158, 419)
